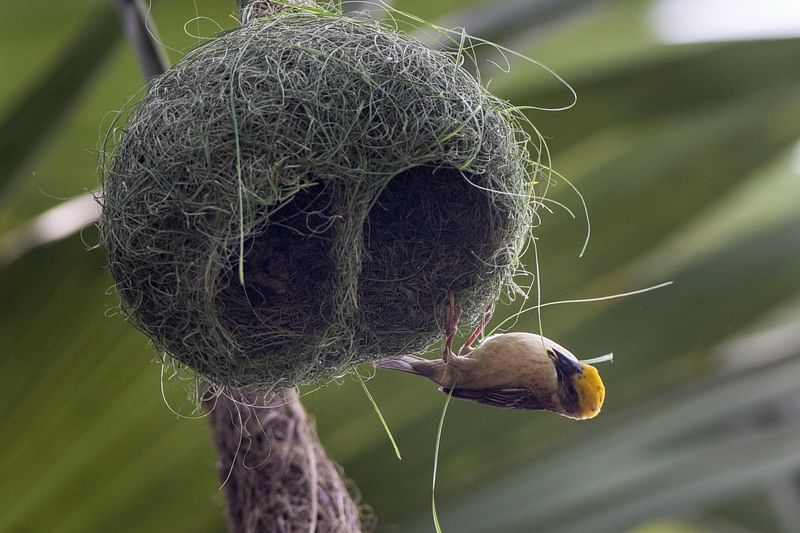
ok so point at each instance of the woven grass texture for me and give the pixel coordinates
(300, 195)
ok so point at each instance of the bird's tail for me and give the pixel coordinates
(404, 363)
(410, 364)
(434, 369)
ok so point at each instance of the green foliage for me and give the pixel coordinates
(683, 154)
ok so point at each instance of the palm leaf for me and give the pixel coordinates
(669, 145)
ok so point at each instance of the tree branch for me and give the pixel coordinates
(143, 36)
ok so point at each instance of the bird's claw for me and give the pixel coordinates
(487, 316)
(452, 316)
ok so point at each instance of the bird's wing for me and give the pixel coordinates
(509, 398)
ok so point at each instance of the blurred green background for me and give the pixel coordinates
(684, 143)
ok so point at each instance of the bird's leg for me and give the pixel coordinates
(487, 316)
(450, 327)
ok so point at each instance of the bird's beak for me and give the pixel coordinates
(565, 365)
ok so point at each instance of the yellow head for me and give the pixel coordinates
(590, 390)
(580, 390)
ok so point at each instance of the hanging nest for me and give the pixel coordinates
(302, 193)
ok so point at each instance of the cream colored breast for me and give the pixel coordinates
(515, 359)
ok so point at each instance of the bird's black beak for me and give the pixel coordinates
(565, 365)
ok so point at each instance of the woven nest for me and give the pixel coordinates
(301, 194)
(275, 471)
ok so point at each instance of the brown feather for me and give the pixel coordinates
(509, 398)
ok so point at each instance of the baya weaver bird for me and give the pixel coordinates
(512, 370)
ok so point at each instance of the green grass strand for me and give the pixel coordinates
(380, 416)
(436, 463)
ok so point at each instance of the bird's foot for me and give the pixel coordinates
(487, 316)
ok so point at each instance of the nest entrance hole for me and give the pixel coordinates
(288, 269)
(428, 233)
(428, 229)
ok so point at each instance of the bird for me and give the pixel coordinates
(516, 370)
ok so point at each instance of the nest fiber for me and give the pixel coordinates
(276, 474)
(302, 193)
